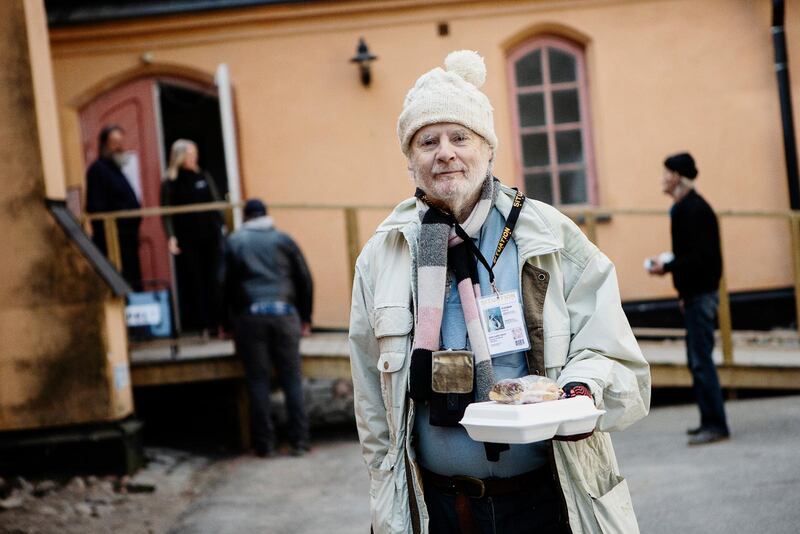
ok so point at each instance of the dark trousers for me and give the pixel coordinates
(129, 252)
(197, 269)
(128, 237)
(534, 510)
(699, 315)
(263, 341)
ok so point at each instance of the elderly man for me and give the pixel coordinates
(421, 283)
(696, 271)
(107, 189)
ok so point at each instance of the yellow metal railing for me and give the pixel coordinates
(590, 219)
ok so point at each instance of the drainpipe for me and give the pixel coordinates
(785, 95)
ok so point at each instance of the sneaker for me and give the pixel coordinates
(694, 431)
(266, 452)
(299, 450)
(708, 436)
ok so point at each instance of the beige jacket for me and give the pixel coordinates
(578, 333)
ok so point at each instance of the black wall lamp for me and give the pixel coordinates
(364, 57)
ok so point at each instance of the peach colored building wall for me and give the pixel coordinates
(63, 344)
(663, 75)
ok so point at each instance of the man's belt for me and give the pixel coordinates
(270, 308)
(478, 488)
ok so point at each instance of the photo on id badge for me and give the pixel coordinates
(494, 319)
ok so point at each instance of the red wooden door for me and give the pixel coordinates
(132, 106)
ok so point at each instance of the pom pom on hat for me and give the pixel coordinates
(468, 64)
(447, 95)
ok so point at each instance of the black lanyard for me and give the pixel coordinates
(511, 222)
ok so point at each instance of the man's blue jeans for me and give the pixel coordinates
(699, 314)
(264, 342)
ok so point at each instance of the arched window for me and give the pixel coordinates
(551, 119)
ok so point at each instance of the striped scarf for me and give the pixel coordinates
(441, 248)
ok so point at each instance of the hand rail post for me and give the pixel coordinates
(112, 242)
(724, 310)
(351, 229)
(794, 220)
(590, 219)
(725, 323)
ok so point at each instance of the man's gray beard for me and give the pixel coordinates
(462, 206)
(461, 202)
(120, 158)
(683, 188)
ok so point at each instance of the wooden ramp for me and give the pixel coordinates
(761, 360)
(324, 355)
(754, 366)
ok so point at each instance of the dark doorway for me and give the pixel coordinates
(194, 115)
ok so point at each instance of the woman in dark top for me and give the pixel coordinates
(194, 238)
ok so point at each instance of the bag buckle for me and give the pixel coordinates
(468, 481)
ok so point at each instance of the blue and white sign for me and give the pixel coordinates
(148, 314)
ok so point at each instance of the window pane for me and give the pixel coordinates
(529, 69)
(534, 150)
(573, 187)
(562, 66)
(569, 146)
(539, 186)
(531, 110)
(566, 107)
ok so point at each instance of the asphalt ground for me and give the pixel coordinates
(749, 484)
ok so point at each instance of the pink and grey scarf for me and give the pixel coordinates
(440, 249)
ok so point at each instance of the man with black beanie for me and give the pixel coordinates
(696, 270)
(269, 292)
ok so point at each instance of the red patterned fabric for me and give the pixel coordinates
(579, 389)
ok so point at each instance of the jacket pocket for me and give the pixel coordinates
(392, 321)
(556, 348)
(392, 325)
(383, 495)
(389, 362)
(614, 510)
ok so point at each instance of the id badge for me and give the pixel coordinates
(503, 323)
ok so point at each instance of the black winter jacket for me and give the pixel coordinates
(263, 264)
(697, 266)
(191, 188)
(107, 189)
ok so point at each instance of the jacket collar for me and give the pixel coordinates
(259, 223)
(533, 235)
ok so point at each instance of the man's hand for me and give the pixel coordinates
(173, 247)
(575, 389)
(656, 267)
(224, 333)
(305, 329)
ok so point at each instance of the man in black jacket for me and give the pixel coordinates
(107, 189)
(268, 290)
(696, 270)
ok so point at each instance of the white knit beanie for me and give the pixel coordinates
(449, 95)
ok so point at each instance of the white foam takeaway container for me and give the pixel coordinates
(525, 423)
